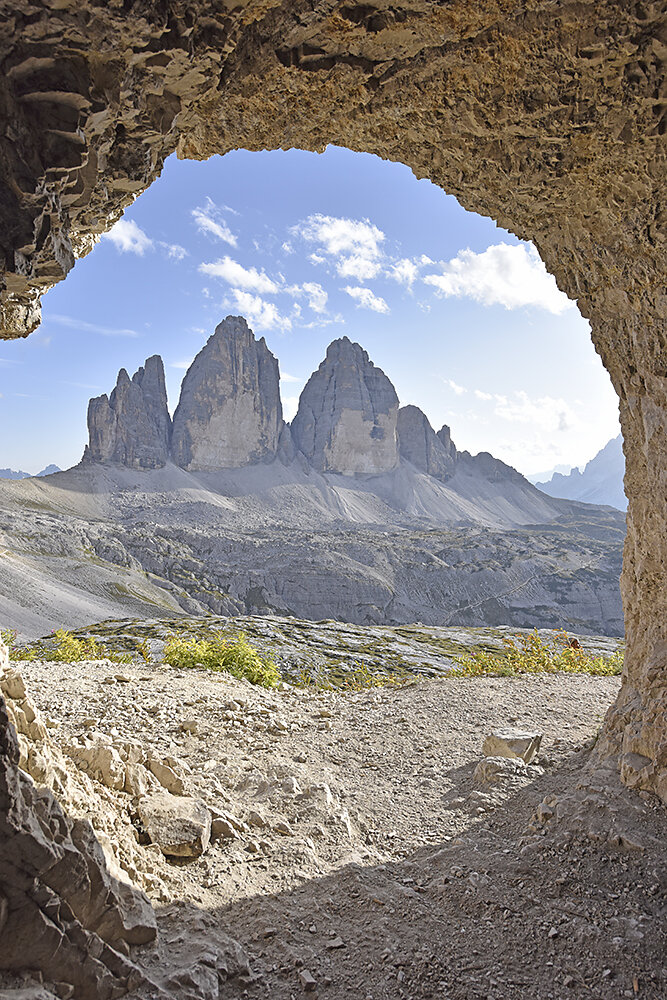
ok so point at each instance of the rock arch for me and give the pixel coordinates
(548, 116)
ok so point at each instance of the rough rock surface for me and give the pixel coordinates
(229, 414)
(346, 420)
(418, 443)
(132, 426)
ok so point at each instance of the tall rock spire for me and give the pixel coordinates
(229, 414)
(132, 426)
(346, 420)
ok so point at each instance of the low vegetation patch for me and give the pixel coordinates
(233, 655)
(62, 647)
(528, 653)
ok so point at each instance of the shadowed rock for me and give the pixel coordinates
(132, 426)
(229, 414)
(346, 421)
(419, 444)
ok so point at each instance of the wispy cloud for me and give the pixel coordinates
(284, 377)
(127, 237)
(404, 271)
(290, 406)
(174, 250)
(83, 385)
(504, 274)
(353, 245)
(261, 315)
(6, 362)
(209, 220)
(247, 278)
(181, 365)
(366, 299)
(80, 324)
(454, 386)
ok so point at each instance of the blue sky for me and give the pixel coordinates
(461, 315)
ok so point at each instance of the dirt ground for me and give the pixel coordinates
(367, 858)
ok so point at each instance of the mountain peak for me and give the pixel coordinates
(346, 420)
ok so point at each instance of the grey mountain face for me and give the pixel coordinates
(418, 443)
(347, 415)
(600, 482)
(229, 414)
(132, 426)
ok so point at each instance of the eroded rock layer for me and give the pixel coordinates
(346, 420)
(229, 414)
(132, 426)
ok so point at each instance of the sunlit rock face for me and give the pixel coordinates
(132, 426)
(346, 420)
(229, 414)
(419, 444)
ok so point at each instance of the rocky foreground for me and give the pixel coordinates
(372, 844)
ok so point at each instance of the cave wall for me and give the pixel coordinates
(548, 116)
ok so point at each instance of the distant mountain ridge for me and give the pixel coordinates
(12, 474)
(601, 481)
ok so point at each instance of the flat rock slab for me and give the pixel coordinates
(512, 743)
(179, 825)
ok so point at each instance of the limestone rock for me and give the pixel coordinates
(167, 776)
(419, 444)
(132, 426)
(493, 770)
(512, 743)
(101, 761)
(180, 826)
(229, 414)
(347, 415)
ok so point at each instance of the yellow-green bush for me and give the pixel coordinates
(216, 652)
(62, 648)
(528, 653)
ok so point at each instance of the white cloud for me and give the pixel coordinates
(458, 389)
(483, 395)
(365, 299)
(209, 220)
(127, 237)
(287, 247)
(546, 412)
(284, 377)
(181, 365)
(503, 274)
(290, 406)
(80, 324)
(174, 250)
(261, 315)
(404, 271)
(317, 297)
(353, 244)
(248, 278)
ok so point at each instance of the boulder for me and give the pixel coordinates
(132, 426)
(346, 420)
(229, 414)
(512, 743)
(179, 825)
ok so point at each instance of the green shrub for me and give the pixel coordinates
(65, 648)
(528, 653)
(233, 655)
